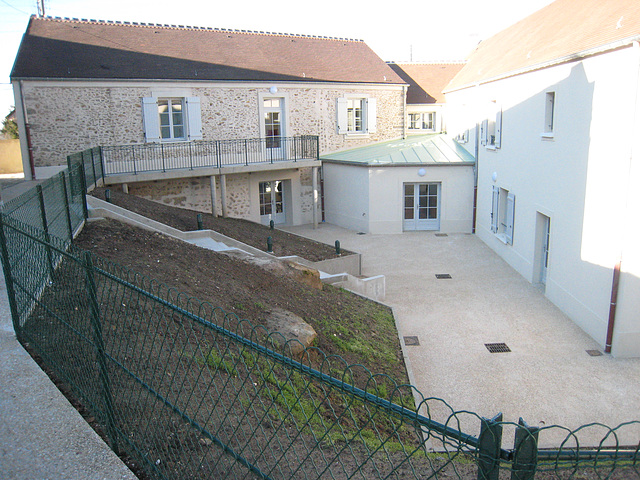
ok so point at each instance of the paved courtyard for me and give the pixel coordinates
(548, 378)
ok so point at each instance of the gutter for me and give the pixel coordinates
(550, 63)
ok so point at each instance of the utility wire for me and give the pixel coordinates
(15, 8)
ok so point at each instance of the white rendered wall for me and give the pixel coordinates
(346, 196)
(578, 178)
(370, 199)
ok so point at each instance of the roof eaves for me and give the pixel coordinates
(551, 63)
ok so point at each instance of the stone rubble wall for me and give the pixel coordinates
(68, 117)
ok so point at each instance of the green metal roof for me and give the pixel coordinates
(435, 149)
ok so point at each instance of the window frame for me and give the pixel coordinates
(368, 114)
(191, 118)
(503, 206)
(550, 107)
(423, 118)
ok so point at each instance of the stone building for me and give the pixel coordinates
(262, 105)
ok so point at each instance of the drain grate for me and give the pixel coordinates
(497, 347)
(441, 235)
(594, 353)
(360, 233)
(411, 341)
(441, 276)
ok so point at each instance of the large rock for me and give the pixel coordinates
(291, 327)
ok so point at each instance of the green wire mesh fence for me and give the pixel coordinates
(189, 391)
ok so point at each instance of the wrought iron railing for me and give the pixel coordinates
(162, 157)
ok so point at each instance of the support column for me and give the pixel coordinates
(212, 184)
(223, 195)
(125, 187)
(314, 182)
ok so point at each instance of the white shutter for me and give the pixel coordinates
(509, 216)
(342, 115)
(495, 199)
(371, 115)
(151, 119)
(483, 132)
(194, 118)
(498, 129)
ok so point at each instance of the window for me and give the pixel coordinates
(422, 121)
(502, 214)
(356, 115)
(491, 132)
(549, 112)
(272, 108)
(169, 119)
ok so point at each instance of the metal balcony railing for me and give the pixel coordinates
(162, 157)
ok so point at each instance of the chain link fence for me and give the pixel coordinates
(189, 391)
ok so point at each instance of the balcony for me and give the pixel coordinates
(141, 162)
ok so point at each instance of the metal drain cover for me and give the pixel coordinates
(441, 235)
(441, 276)
(411, 341)
(497, 347)
(594, 353)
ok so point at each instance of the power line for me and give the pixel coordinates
(15, 8)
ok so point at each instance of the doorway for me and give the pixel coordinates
(273, 115)
(421, 206)
(272, 204)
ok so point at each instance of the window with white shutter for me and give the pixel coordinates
(356, 115)
(497, 131)
(168, 119)
(509, 217)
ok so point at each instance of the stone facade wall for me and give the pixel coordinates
(195, 194)
(67, 117)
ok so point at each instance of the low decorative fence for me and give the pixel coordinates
(162, 157)
(189, 391)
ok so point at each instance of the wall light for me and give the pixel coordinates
(273, 89)
(494, 176)
(422, 172)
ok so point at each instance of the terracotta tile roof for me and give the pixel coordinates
(426, 80)
(89, 49)
(561, 29)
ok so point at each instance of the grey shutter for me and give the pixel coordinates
(194, 118)
(498, 130)
(151, 119)
(494, 209)
(483, 132)
(509, 217)
(371, 115)
(342, 115)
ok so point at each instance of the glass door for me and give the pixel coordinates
(421, 206)
(273, 128)
(272, 202)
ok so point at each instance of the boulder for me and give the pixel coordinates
(291, 327)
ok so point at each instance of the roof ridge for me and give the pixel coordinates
(432, 62)
(188, 27)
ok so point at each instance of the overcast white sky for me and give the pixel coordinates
(418, 30)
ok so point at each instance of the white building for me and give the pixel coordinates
(552, 107)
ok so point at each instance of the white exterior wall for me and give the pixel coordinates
(371, 199)
(346, 196)
(580, 178)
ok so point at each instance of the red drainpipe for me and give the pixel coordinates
(612, 306)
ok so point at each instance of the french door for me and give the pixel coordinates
(273, 111)
(272, 202)
(421, 206)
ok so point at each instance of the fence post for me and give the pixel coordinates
(65, 193)
(83, 181)
(246, 153)
(489, 445)
(190, 157)
(99, 345)
(162, 155)
(101, 155)
(525, 457)
(45, 228)
(8, 278)
(93, 168)
(218, 153)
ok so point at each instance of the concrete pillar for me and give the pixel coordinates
(223, 195)
(125, 187)
(314, 182)
(212, 184)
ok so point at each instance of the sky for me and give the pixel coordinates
(412, 30)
